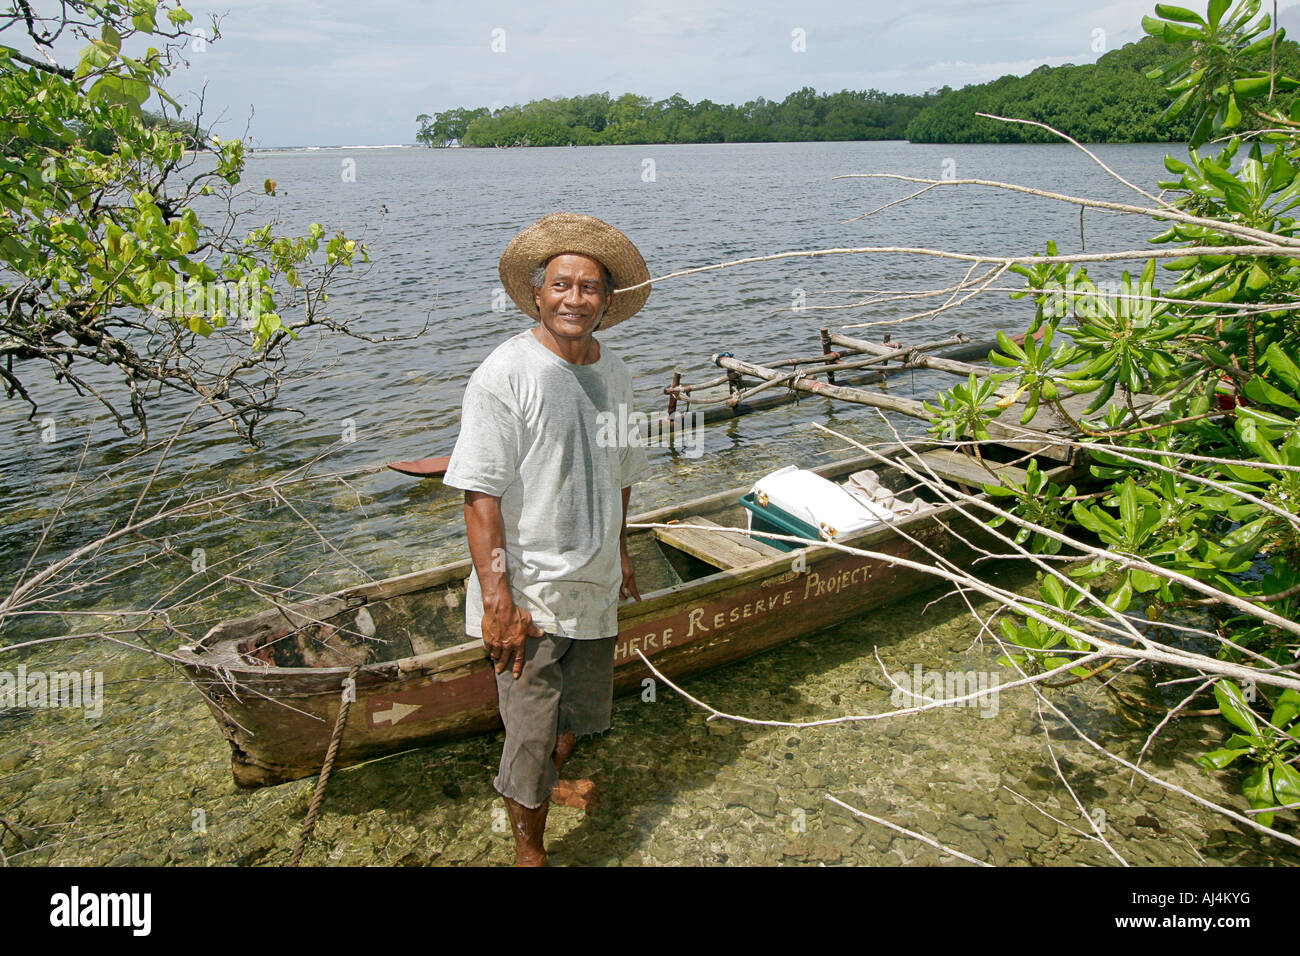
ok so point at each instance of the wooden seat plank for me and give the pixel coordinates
(723, 550)
(764, 549)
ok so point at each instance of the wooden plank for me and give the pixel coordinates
(722, 550)
(954, 466)
(763, 549)
(1040, 447)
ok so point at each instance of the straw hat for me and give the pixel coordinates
(562, 232)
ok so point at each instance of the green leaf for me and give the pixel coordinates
(1195, 285)
(1287, 709)
(1170, 12)
(112, 39)
(1031, 408)
(1246, 534)
(1251, 85)
(1009, 347)
(1128, 504)
(1286, 782)
(1258, 390)
(1258, 788)
(1266, 423)
(1154, 27)
(1234, 708)
(1232, 118)
(1175, 32)
(1263, 43)
(1258, 279)
(1218, 759)
(1145, 581)
(1282, 366)
(1053, 592)
(1121, 597)
(1226, 293)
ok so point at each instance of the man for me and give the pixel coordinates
(546, 505)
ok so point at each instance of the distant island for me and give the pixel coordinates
(1111, 101)
(598, 120)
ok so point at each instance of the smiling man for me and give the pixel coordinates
(546, 498)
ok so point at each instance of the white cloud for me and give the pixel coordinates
(325, 70)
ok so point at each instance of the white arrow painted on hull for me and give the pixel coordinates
(394, 714)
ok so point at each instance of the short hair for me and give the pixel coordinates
(538, 276)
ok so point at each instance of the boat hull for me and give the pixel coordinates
(279, 720)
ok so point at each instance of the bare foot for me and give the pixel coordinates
(579, 794)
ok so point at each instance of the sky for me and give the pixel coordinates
(358, 72)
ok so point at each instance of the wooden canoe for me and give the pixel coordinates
(274, 681)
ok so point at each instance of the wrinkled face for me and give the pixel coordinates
(572, 298)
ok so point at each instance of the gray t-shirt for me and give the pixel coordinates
(551, 440)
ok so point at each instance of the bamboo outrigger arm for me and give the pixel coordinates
(935, 362)
(834, 365)
(859, 396)
(739, 401)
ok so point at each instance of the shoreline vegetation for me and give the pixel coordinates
(1111, 101)
(1178, 570)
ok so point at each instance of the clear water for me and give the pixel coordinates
(148, 782)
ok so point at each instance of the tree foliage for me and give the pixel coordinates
(104, 259)
(1118, 99)
(1115, 100)
(597, 119)
(1208, 488)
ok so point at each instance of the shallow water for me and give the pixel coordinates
(149, 782)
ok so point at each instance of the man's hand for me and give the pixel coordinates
(628, 590)
(506, 628)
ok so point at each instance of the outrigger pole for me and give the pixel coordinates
(867, 363)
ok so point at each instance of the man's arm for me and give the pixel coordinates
(505, 625)
(629, 575)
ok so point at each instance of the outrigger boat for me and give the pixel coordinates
(275, 680)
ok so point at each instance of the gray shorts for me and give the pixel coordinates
(567, 686)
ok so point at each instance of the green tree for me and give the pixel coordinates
(1200, 502)
(595, 119)
(447, 127)
(105, 260)
(1114, 100)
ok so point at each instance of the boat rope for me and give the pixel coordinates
(349, 691)
(792, 386)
